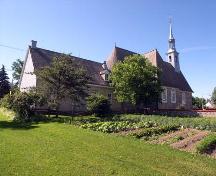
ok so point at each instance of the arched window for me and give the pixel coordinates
(170, 59)
(164, 95)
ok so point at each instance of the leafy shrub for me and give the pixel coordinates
(113, 127)
(6, 113)
(22, 104)
(148, 132)
(147, 124)
(109, 127)
(98, 105)
(206, 143)
(6, 101)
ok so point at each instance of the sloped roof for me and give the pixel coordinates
(42, 57)
(169, 77)
(118, 54)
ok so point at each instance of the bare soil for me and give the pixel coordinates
(183, 139)
(186, 140)
(189, 143)
(176, 136)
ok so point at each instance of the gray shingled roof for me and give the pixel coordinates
(169, 77)
(118, 54)
(42, 57)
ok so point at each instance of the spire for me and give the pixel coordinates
(170, 34)
(172, 54)
(171, 40)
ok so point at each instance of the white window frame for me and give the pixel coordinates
(164, 95)
(173, 96)
(106, 77)
(183, 98)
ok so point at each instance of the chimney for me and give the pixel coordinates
(34, 44)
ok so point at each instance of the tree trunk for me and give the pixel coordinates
(57, 111)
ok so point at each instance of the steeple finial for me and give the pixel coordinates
(170, 34)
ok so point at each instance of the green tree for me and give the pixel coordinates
(64, 78)
(22, 103)
(17, 69)
(198, 103)
(4, 82)
(213, 97)
(98, 105)
(136, 81)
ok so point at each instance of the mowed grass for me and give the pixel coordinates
(60, 149)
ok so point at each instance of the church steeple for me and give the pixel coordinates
(171, 38)
(172, 54)
(171, 34)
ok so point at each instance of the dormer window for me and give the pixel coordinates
(104, 65)
(105, 72)
(106, 77)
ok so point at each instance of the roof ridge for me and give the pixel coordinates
(66, 54)
(126, 49)
(155, 49)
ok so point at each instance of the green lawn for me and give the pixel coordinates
(59, 149)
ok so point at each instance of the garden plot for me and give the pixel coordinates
(175, 136)
(185, 134)
(189, 140)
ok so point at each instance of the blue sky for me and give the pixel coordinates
(90, 28)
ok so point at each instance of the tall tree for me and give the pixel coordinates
(136, 80)
(64, 78)
(213, 97)
(4, 82)
(17, 69)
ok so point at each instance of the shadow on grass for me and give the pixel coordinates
(17, 126)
